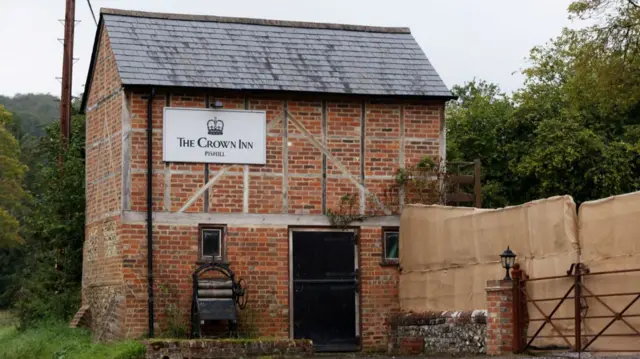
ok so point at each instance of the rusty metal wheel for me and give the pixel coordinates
(241, 293)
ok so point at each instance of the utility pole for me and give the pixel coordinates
(65, 96)
(67, 72)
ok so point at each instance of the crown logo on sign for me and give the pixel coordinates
(215, 126)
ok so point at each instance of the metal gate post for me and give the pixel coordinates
(516, 310)
(578, 306)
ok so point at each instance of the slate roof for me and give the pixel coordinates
(252, 54)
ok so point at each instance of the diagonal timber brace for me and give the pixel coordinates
(309, 137)
(336, 162)
(221, 173)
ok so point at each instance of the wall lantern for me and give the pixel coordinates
(507, 258)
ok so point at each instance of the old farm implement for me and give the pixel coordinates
(216, 298)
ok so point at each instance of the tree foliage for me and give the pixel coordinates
(33, 112)
(55, 231)
(41, 276)
(12, 172)
(574, 128)
(476, 128)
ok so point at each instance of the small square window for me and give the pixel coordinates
(211, 244)
(391, 244)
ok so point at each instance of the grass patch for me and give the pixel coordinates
(60, 342)
(5, 318)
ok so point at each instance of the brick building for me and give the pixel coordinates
(337, 109)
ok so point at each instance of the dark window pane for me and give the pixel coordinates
(391, 245)
(210, 242)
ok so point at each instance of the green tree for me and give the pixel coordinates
(476, 129)
(12, 172)
(33, 112)
(605, 61)
(569, 158)
(581, 106)
(10, 264)
(574, 128)
(51, 278)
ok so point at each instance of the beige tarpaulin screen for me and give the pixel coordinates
(447, 254)
(610, 240)
(427, 282)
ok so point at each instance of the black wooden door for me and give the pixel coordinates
(325, 285)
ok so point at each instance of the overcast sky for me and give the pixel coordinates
(487, 39)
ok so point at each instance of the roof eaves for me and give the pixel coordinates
(94, 53)
(251, 21)
(438, 97)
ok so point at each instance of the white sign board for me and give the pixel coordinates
(214, 136)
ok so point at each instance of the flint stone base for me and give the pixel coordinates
(442, 333)
(226, 348)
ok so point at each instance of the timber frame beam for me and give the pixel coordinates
(287, 118)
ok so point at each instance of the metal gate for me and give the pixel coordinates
(578, 297)
(325, 299)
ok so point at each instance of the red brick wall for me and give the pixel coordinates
(396, 134)
(303, 184)
(343, 140)
(383, 156)
(379, 291)
(259, 255)
(304, 193)
(500, 320)
(104, 133)
(422, 131)
(102, 260)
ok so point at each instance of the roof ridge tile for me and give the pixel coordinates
(253, 21)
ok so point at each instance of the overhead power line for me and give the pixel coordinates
(92, 13)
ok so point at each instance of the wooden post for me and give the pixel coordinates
(477, 188)
(67, 72)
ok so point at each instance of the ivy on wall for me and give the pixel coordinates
(427, 182)
(348, 212)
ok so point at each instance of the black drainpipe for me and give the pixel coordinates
(150, 207)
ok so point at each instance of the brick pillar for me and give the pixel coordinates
(500, 320)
